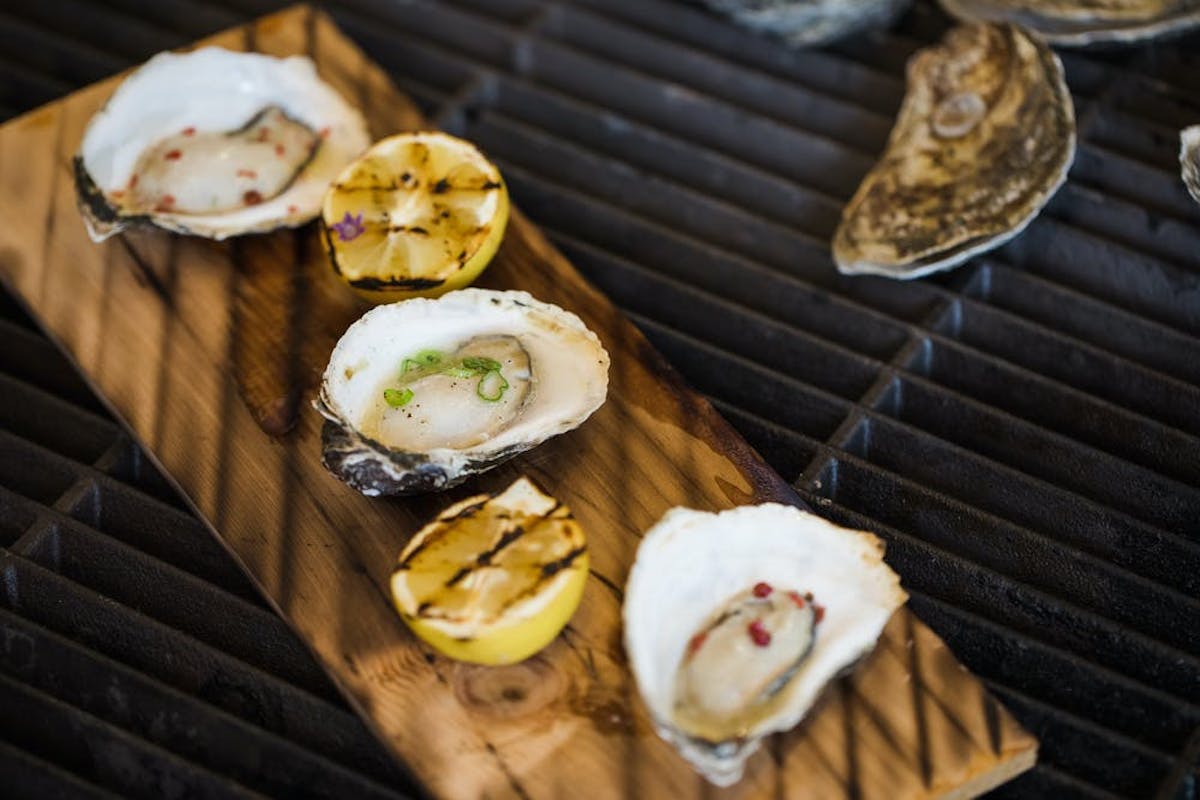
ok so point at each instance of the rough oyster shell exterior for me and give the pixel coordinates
(1189, 160)
(810, 22)
(984, 138)
(1079, 23)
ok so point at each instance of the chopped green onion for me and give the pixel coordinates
(397, 398)
(491, 386)
(481, 364)
(425, 358)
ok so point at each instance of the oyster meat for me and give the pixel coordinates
(1189, 160)
(984, 138)
(1077, 23)
(810, 22)
(736, 621)
(215, 143)
(420, 395)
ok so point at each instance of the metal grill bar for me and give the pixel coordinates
(1024, 432)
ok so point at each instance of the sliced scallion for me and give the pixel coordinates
(491, 386)
(481, 364)
(398, 398)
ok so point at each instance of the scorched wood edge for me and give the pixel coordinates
(210, 353)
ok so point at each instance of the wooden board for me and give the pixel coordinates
(209, 352)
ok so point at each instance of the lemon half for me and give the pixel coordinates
(494, 578)
(416, 215)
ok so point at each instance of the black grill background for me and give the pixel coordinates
(1024, 431)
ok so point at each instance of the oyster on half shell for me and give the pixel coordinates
(215, 143)
(1077, 23)
(420, 395)
(983, 139)
(735, 622)
(1189, 160)
(810, 22)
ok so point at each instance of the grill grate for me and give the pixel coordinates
(1025, 431)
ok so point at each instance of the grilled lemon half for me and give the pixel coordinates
(416, 215)
(493, 579)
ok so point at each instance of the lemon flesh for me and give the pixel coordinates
(417, 215)
(493, 579)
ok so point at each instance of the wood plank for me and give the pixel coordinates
(210, 352)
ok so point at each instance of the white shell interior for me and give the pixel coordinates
(212, 89)
(568, 365)
(691, 562)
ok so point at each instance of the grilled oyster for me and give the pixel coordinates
(984, 137)
(810, 22)
(1189, 160)
(1077, 23)
(215, 143)
(420, 395)
(735, 622)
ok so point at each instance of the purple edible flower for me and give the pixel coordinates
(350, 227)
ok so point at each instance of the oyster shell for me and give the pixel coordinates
(1077, 23)
(215, 143)
(1189, 160)
(420, 395)
(984, 138)
(810, 22)
(780, 598)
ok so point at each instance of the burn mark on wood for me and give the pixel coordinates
(145, 274)
(250, 37)
(610, 585)
(513, 783)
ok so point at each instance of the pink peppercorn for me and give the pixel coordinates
(758, 633)
(762, 589)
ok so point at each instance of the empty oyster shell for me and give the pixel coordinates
(1077, 23)
(810, 22)
(735, 622)
(984, 137)
(1189, 160)
(215, 143)
(420, 395)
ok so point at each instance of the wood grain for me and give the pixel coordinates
(210, 351)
